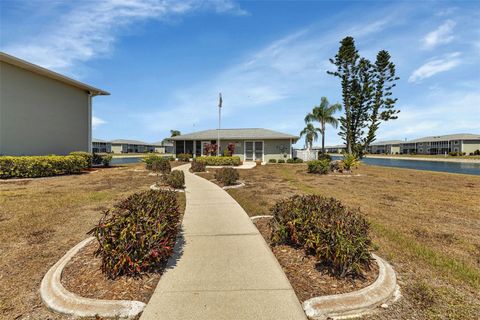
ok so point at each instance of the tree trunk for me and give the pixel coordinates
(323, 137)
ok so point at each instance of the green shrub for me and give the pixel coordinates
(281, 161)
(324, 156)
(40, 166)
(96, 159)
(184, 157)
(227, 176)
(138, 234)
(175, 179)
(157, 163)
(476, 153)
(86, 155)
(106, 159)
(336, 235)
(290, 160)
(198, 166)
(318, 166)
(297, 160)
(220, 161)
(272, 161)
(350, 161)
(171, 158)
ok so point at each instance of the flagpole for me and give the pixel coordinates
(219, 122)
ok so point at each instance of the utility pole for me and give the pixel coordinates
(219, 122)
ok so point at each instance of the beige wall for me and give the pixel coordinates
(470, 146)
(117, 148)
(40, 116)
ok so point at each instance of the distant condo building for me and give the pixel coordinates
(464, 143)
(130, 146)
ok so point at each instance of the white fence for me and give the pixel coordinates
(305, 155)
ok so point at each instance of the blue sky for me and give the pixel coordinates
(164, 62)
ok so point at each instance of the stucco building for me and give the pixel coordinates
(253, 144)
(43, 112)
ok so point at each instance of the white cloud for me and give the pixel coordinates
(435, 66)
(96, 121)
(87, 30)
(442, 35)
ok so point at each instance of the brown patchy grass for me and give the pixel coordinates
(41, 219)
(425, 223)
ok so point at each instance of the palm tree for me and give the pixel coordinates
(310, 133)
(324, 115)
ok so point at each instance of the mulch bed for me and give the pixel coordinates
(307, 278)
(82, 276)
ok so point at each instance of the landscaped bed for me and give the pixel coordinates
(424, 223)
(41, 219)
(308, 279)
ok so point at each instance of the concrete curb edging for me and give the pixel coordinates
(260, 217)
(154, 187)
(60, 300)
(234, 186)
(357, 303)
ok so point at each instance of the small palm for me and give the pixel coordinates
(324, 114)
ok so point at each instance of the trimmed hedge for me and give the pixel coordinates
(281, 161)
(227, 176)
(138, 234)
(86, 155)
(220, 161)
(336, 235)
(184, 157)
(272, 161)
(40, 166)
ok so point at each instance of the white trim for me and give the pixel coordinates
(89, 97)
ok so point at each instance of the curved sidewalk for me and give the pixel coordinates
(222, 268)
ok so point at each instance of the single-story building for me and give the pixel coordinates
(43, 112)
(101, 146)
(249, 144)
(131, 146)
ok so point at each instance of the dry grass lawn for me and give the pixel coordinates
(427, 224)
(41, 219)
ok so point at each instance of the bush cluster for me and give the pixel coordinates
(198, 166)
(281, 161)
(86, 155)
(295, 160)
(175, 179)
(157, 163)
(138, 234)
(318, 166)
(220, 161)
(476, 153)
(272, 161)
(101, 159)
(324, 156)
(184, 157)
(40, 166)
(456, 154)
(337, 165)
(336, 235)
(227, 176)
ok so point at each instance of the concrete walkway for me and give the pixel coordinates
(222, 268)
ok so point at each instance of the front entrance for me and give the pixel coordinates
(253, 150)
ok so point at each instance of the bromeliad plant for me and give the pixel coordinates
(138, 234)
(336, 235)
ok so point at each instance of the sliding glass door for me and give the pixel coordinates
(253, 150)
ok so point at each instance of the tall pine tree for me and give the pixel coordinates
(366, 93)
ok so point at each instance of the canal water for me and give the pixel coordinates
(441, 166)
(126, 160)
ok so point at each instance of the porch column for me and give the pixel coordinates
(194, 149)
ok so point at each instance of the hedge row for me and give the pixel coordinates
(220, 161)
(40, 166)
